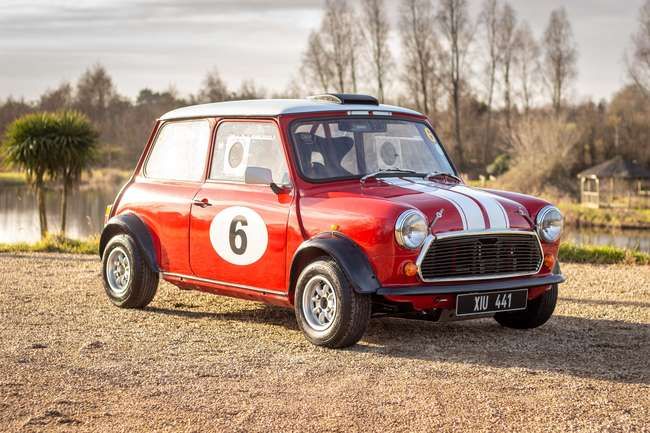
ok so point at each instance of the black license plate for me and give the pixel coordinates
(491, 302)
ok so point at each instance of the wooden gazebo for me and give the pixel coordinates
(615, 183)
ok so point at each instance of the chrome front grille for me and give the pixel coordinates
(482, 255)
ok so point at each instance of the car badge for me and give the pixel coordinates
(439, 215)
(524, 213)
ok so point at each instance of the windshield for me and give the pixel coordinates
(348, 148)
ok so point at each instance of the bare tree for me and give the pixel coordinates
(339, 39)
(376, 30)
(488, 20)
(639, 64)
(455, 28)
(214, 89)
(553, 137)
(507, 45)
(560, 57)
(527, 64)
(249, 90)
(95, 92)
(57, 99)
(354, 41)
(419, 46)
(316, 64)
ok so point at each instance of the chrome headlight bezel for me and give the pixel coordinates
(407, 220)
(547, 225)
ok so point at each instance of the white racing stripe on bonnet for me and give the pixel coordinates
(469, 211)
(497, 214)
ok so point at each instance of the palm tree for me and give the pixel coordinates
(75, 148)
(29, 145)
(56, 145)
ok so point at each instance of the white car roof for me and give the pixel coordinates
(274, 107)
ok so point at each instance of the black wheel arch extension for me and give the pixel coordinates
(348, 255)
(132, 225)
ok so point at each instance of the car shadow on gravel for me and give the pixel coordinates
(591, 348)
(264, 314)
(606, 302)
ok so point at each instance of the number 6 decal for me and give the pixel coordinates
(239, 235)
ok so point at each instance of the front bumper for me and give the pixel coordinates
(483, 286)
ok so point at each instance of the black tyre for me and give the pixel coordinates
(329, 312)
(128, 279)
(536, 314)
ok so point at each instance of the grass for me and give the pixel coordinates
(55, 244)
(12, 178)
(578, 215)
(602, 255)
(97, 177)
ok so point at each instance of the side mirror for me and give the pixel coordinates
(263, 176)
(258, 176)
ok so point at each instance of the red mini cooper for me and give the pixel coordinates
(336, 206)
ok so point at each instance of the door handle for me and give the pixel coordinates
(201, 203)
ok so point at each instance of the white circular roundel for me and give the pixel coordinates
(238, 234)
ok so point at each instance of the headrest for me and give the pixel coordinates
(305, 144)
(340, 147)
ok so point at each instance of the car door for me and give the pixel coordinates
(161, 195)
(238, 231)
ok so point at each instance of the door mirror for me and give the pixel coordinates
(258, 176)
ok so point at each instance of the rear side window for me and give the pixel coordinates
(248, 144)
(180, 151)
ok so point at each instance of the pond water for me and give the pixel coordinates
(19, 216)
(19, 219)
(630, 239)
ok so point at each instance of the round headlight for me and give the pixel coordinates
(411, 229)
(549, 224)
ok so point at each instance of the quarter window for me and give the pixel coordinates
(248, 144)
(180, 151)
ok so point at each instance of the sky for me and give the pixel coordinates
(163, 43)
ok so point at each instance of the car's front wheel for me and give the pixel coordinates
(538, 312)
(329, 312)
(128, 280)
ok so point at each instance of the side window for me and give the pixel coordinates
(248, 144)
(180, 151)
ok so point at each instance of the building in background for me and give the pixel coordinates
(615, 183)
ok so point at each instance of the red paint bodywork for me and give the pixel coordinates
(364, 213)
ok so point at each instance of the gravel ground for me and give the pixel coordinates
(70, 361)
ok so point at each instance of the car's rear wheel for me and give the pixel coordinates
(128, 280)
(329, 312)
(538, 312)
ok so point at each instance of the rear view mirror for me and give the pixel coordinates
(258, 176)
(363, 125)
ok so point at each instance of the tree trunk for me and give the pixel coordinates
(64, 205)
(487, 144)
(353, 72)
(40, 201)
(380, 79)
(508, 102)
(457, 122)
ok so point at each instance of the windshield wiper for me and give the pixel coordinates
(439, 174)
(392, 172)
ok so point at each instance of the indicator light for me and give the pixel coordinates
(410, 269)
(549, 261)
